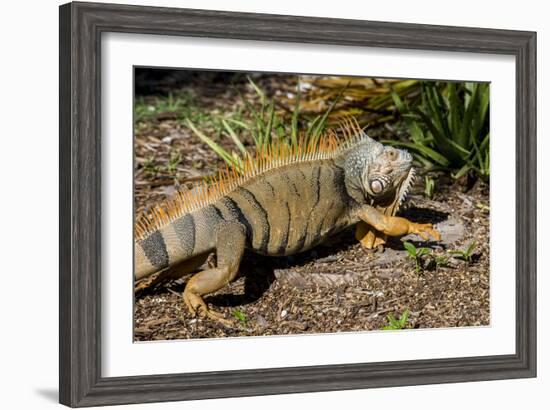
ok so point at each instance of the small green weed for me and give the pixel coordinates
(429, 187)
(397, 324)
(150, 166)
(434, 261)
(465, 254)
(416, 254)
(441, 261)
(240, 316)
(151, 107)
(483, 207)
(173, 162)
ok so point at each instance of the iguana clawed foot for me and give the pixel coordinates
(373, 228)
(424, 231)
(197, 306)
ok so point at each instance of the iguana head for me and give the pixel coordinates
(386, 172)
(378, 175)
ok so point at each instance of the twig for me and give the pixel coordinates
(173, 291)
(393, 300)
(379, 312)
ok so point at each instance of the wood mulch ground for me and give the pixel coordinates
(452, 296)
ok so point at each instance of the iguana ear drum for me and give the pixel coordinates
(377, 186)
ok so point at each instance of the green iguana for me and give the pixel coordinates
(286, 199)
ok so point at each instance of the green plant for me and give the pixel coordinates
(441, 260)
(151, 107)
(264, 125)
(465, 254)
(397, 324)
(231, 158)
(429, 187)
(416, 254)
(150, 166)
(483, 207)
(240, 316)
(449, 127)
(173, 162)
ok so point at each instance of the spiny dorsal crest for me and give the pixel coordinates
(271, 156)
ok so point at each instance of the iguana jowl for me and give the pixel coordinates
(286, 200)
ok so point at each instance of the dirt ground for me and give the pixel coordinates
(264, 301)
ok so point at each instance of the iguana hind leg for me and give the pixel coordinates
(395, 225)
(230, 244)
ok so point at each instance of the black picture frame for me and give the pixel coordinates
(81, 27)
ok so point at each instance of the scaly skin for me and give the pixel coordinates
(285, 210)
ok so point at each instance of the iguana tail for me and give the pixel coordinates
(188, 236)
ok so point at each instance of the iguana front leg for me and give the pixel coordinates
(368, 236)
(395, 225)
(230, 244)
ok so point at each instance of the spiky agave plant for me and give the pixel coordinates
(449, 128)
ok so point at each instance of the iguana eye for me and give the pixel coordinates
(377, 186)
(392, 154)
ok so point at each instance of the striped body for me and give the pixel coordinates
(284, 211)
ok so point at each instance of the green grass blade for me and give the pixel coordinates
(455, 113)
(257, 89)
(471, 108)
(480, 116)
(423, 251)
(256, 136)
(484, 146)
(311, 127)
(404, 318)
(322, 122)
(269, 126)
(234, 137)
(444, 144)
(399, 104)
(394, 323)
(417, 135)
(462, 152)
(222, 153)
(462, 171)
(477, 153)
(485, 167)
(294, 123)
(239, 123)
(435, 110)
(441, 107)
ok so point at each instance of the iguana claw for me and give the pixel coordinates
(196, 305)
(424, 231)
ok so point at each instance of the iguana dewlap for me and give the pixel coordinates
(287, 200)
